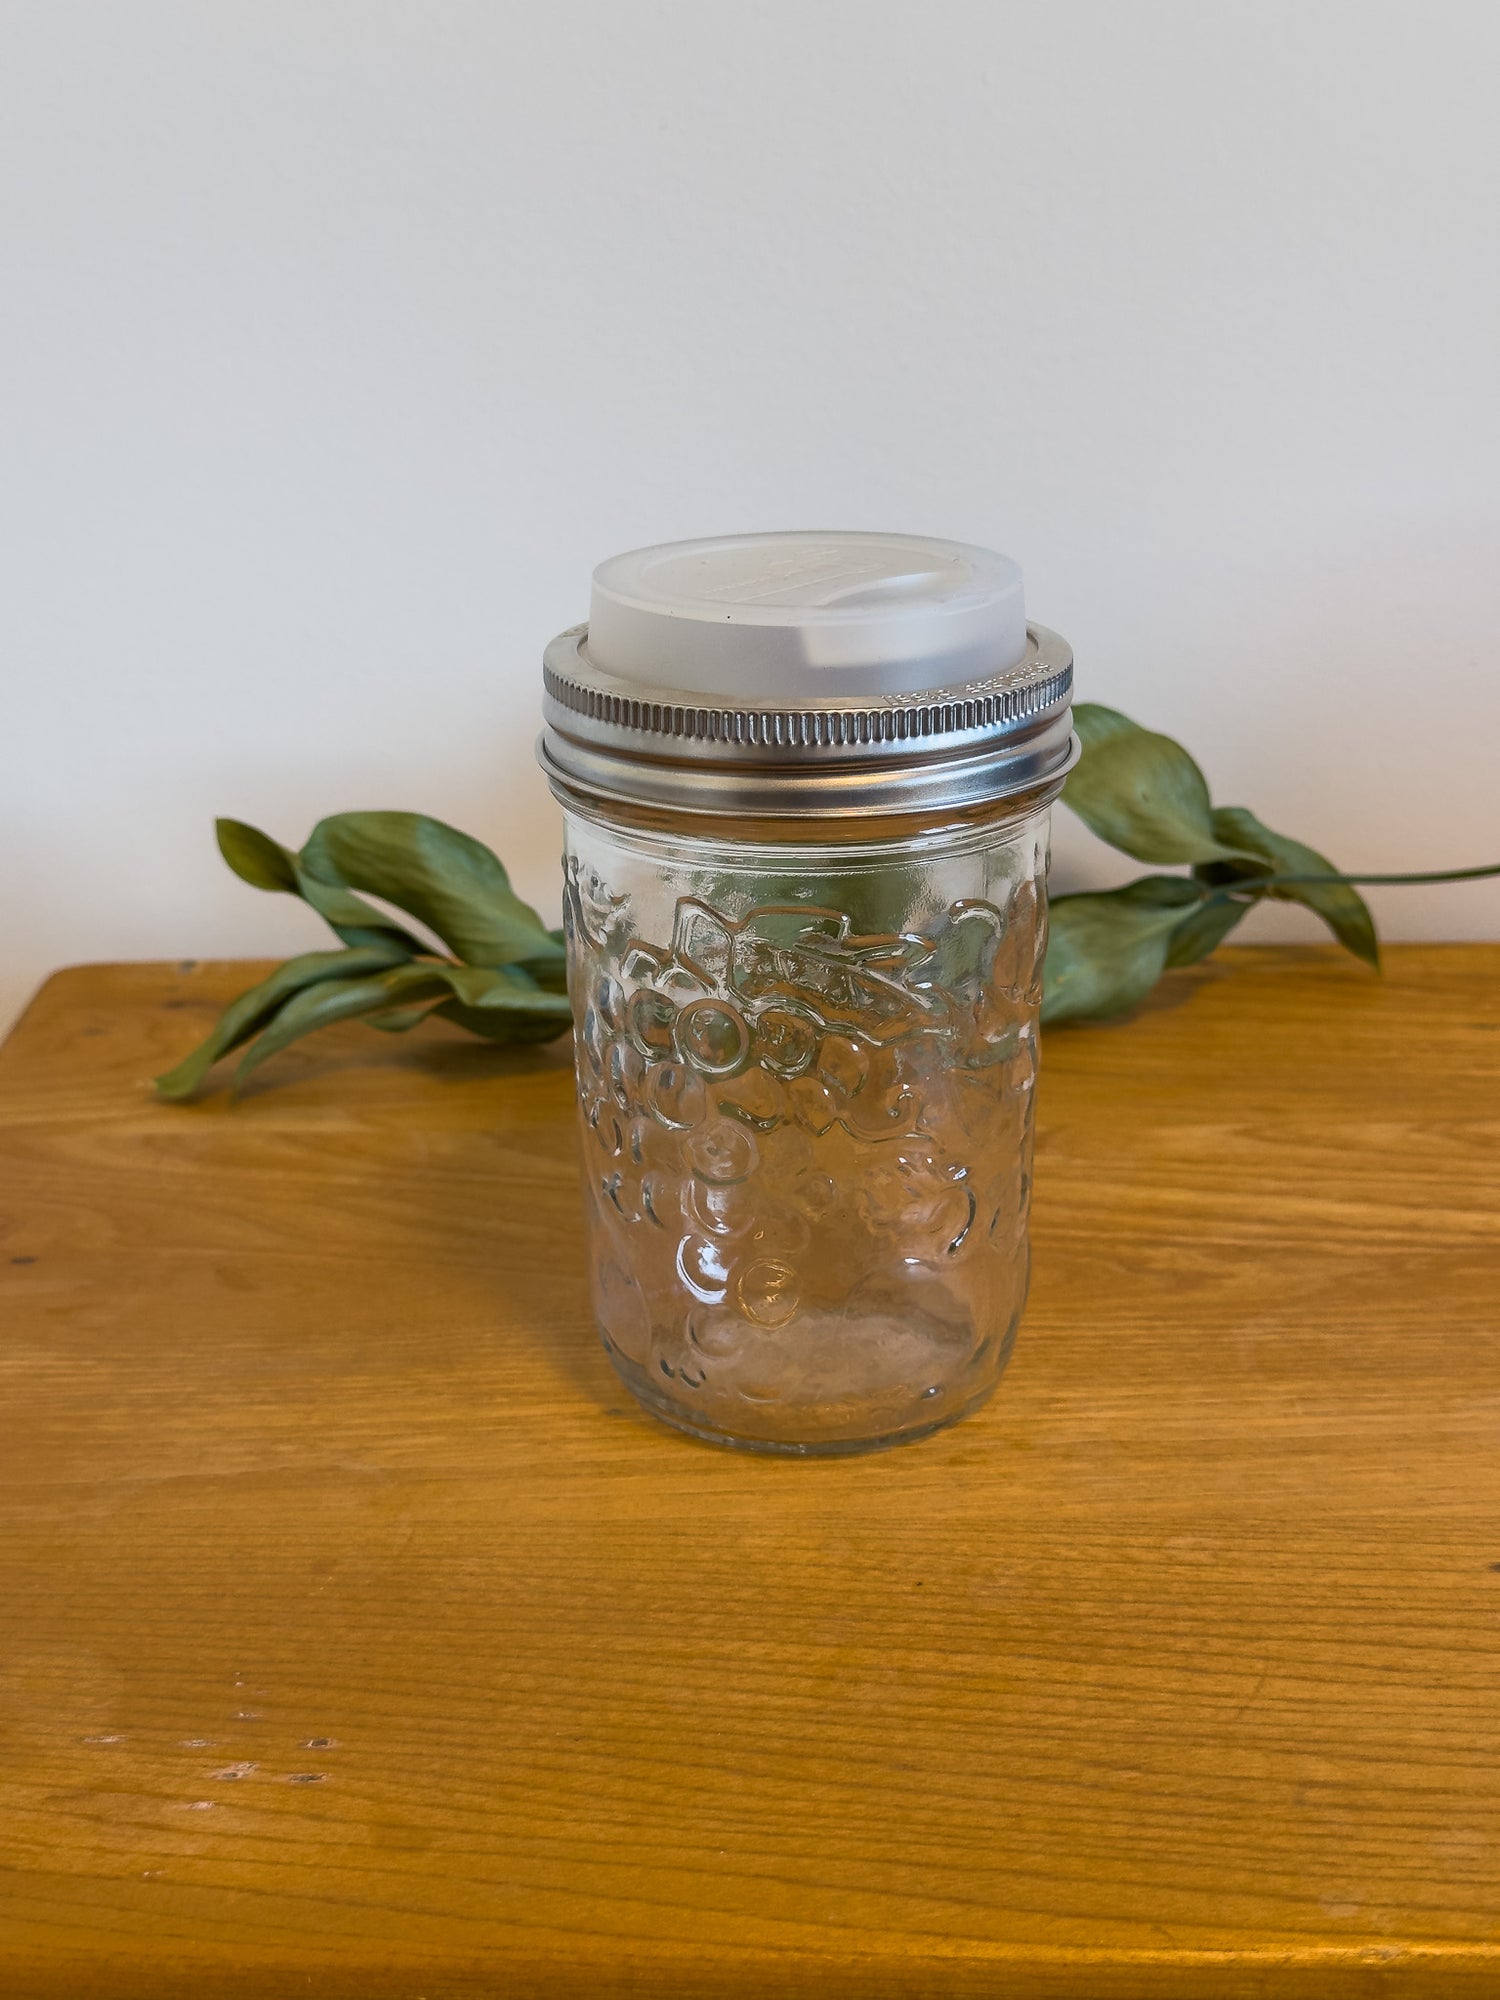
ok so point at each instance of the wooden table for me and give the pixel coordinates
(358, 1638)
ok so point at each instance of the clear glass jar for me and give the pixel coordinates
(805, 1082)
(806, 783)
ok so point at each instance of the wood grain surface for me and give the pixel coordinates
(358, 1638)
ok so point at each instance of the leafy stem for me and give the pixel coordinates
(1361, 881)
(506, 979)
(1144, 794)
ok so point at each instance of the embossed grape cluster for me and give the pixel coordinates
(789, 1126)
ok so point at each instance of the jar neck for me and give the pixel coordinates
(996, 819)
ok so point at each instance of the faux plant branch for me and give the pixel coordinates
(1145, 795)
(506, 978)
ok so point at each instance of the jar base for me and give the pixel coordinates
(676, 1418)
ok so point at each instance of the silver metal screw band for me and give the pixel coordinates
(945, 748)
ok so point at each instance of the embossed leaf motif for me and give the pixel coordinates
(807, 958)
(964, 955)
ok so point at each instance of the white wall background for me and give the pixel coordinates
(341, 337)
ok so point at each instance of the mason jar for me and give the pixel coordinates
(806, 782)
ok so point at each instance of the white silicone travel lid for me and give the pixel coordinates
(807, 616)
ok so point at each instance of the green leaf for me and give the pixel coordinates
(246, 1015)
(351, 917)
(1141, 792)
(1339, 904)
(1203, 930)
(340, 1000)
(500, 1024)
(264, 863)
(550, 976)
(399, 1020)
(509, 988)
(256, 858)
(1106, 951)
(504, 1004)
(448, 881)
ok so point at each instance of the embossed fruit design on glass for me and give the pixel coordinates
(806, 783)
